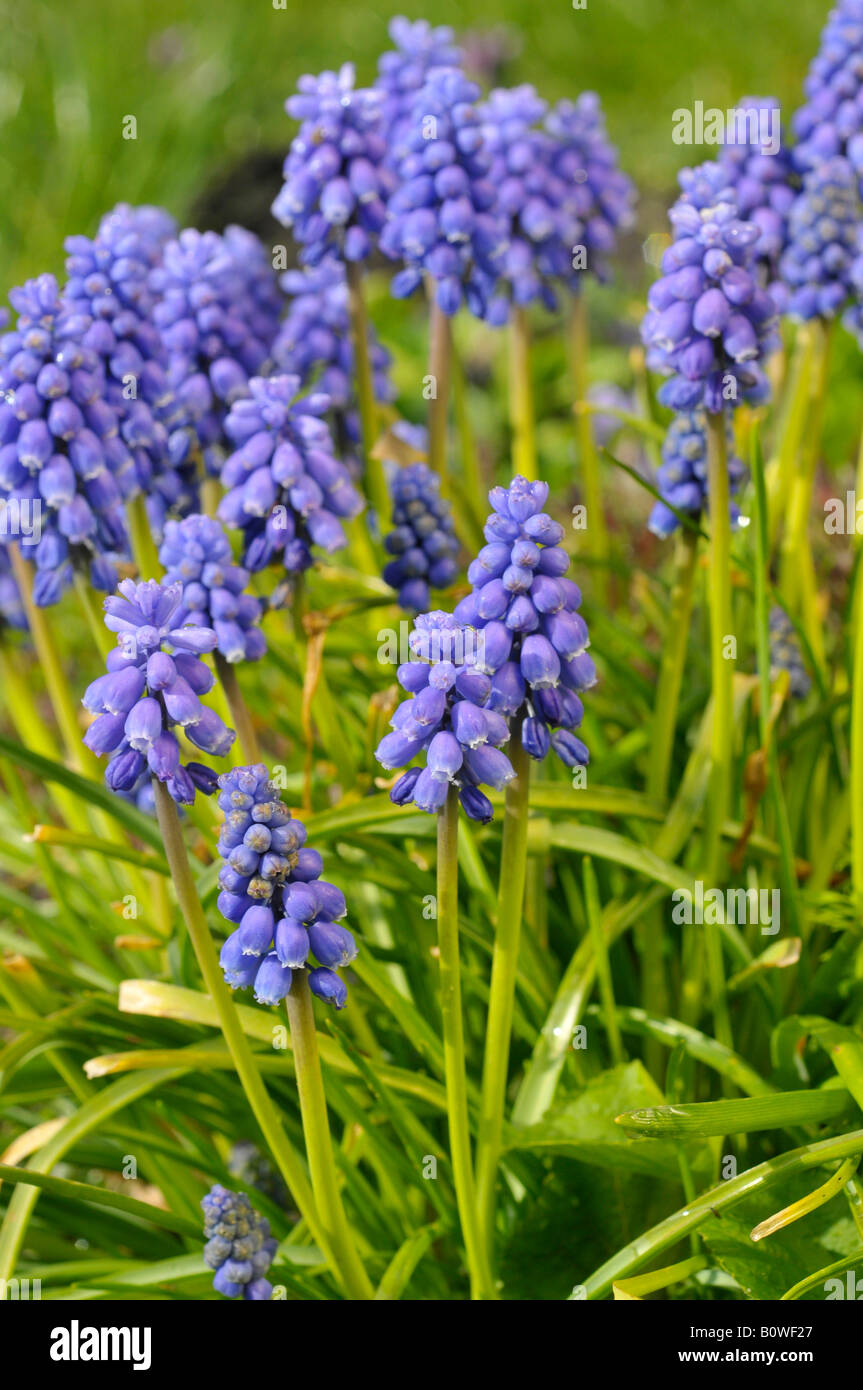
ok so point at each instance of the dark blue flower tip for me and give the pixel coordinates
(329, 986)
(239, 1247)
(817, 265)
(682, 476)
(423, 542)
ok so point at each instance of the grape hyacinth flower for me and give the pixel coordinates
(217, 306)
(423, 543)
(196, 553)
(765, 186)
(785, 654)
(599, 196)
(239, 1245)
(402, 72)
(449, 717)
(709, 325)
(63, 461)
(682, 475)
(830, 122)
(286, 490)
(535, 640)
(822, 233)
(109, 280)
(315, 344)
(335, 189)
(149, 692)
(542, 228)
(442, 218)
(272, 890)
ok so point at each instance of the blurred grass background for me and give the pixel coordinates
(207, 81)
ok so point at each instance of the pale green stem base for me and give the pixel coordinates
(319, 1148)
(504, 970)
(453, 1046)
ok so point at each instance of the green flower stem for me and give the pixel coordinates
(141, 536)
(504, 970)
(787, 871)
(439, 369)
(30, 729)
(675, 1227)
(62, 700)
(102, 638)
(262, 1107)
(722, 729)
(475, 491)
(597, 532)
(600, 955)
(521, 406)
(795, 409)
(797, 568)
(375, 479)
(453, 1044)
(856, 779)
(240, 714)
(319, 1148)
(672, 665)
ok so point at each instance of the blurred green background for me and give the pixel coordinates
(206, 81)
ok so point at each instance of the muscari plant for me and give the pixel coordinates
(443, 1132)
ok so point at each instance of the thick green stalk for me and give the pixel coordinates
(504, 970)
(722, 730)
(476, 493)
(453, 1046)
(672, 665)
(711, 1203)
(62, 700)
(597, 532)
(141, 536)
(762, 639)
(365, 386)
(603, 966)
(240, 715)
(798, 386)
(262, 1107)
(521, 407)
(797, 570)
(319, 1147)
(439, 371)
